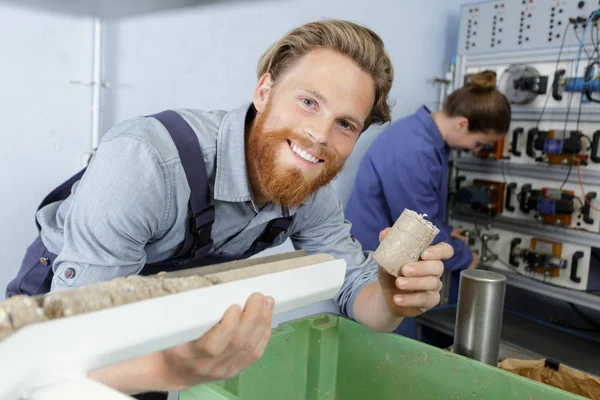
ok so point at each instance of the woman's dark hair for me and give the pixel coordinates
(486, 109)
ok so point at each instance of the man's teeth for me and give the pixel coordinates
(304, 154)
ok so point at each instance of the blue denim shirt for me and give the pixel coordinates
(130, 207)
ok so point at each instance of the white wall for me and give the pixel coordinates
(44, 120)
(206, 57)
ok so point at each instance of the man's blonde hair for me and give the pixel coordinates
(359, 43)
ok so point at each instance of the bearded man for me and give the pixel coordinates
(189, 188)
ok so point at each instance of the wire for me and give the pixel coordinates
(583, 316)
(581, 185)
(502, 169)
(581, 43)
(564, 182)
(578, 117)
(581, 40)
(560, 50)
(566, 325)
(567, 117)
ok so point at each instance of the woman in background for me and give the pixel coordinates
(407, 167)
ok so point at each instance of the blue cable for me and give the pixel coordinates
(582, 41)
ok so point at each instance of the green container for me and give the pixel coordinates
(331, 357)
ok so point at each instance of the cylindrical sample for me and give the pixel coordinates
(479, 315)
(404, 243)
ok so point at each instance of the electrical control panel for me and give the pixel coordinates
(496, 26)
(530, 199)
(529, 204)
(481, 195)
(563, 264)
(548, 143)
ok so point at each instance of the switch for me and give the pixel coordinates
(581, 4)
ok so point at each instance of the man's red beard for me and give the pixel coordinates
(280, 184)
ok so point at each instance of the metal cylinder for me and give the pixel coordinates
(479, 315)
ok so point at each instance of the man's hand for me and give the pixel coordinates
(418, 289)
(458, 233)
(237, 341)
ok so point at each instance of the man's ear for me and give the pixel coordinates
(263, 90)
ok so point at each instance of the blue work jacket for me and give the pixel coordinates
(405, 167)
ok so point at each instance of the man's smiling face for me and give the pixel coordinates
(307, 124)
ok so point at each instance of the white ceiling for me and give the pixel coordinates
(110, 9)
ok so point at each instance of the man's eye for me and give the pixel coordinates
(308, 102)
(345, 125)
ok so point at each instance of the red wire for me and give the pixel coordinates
(581, 185)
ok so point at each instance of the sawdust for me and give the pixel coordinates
(21, 310)
(76, 301)
(5, 324)
(178, 285)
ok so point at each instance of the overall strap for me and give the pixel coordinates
(273, 229)
(198, 241)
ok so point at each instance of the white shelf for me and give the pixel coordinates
(538, 171)
(534, 228)
(585, 299)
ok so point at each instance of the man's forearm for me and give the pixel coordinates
(132, 376)
(371, 310)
